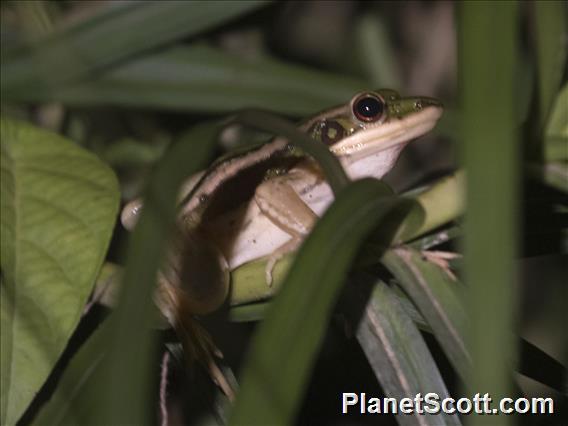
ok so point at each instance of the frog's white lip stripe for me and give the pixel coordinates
(389, 134)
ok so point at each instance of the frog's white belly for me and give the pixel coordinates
(260, 238)
(257, 236)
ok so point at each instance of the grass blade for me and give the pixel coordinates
(491, 154)
(109, 37)
(399, 356)
(72, 400)
(208, 80)
(437, 297)
(551, 49)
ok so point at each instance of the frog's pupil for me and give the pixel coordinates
(368, 108)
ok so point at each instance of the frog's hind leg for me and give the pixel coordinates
(194, 281)
(282, 205)
(197, 344)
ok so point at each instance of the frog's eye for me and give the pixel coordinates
(331, 132)
(368, 107)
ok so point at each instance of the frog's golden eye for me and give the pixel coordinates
(331, 132)
(368, 107)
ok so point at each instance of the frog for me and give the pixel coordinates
(263, 202)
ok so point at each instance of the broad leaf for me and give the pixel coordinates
(58, 207)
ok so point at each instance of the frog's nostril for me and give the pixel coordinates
(430, 102)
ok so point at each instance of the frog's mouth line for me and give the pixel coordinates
(389, 134)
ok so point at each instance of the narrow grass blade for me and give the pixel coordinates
(73, 399)
(375, 52)
(125, 390)
(551, 32)
(438, 298)
(556, 135)
(399, 356)
(205, 79)
(492, 162)
(281, 358)
(539, 366)
(109, 37)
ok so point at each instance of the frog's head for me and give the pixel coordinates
(368, 134)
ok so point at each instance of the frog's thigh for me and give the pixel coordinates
(278, 201)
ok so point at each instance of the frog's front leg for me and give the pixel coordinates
(282, 205)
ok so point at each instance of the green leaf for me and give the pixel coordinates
(436, 205)
(58, 207)
(278, 367)
(558, 123)
(375, 52)
(553, 173)
(556, 135)
(125, 390)
(438, 298)
(491, 226)
(551, 33)
(399, 356)
(207, 80)
(112, 36)
(76, 384)
(248, 282)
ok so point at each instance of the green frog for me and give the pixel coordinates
(263, 202)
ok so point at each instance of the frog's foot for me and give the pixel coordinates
(221, 380)
(441, 259)
(199, 346)
(278, 254)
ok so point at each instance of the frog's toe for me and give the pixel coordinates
(441, 259)
(278, 254)
(270, 264)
